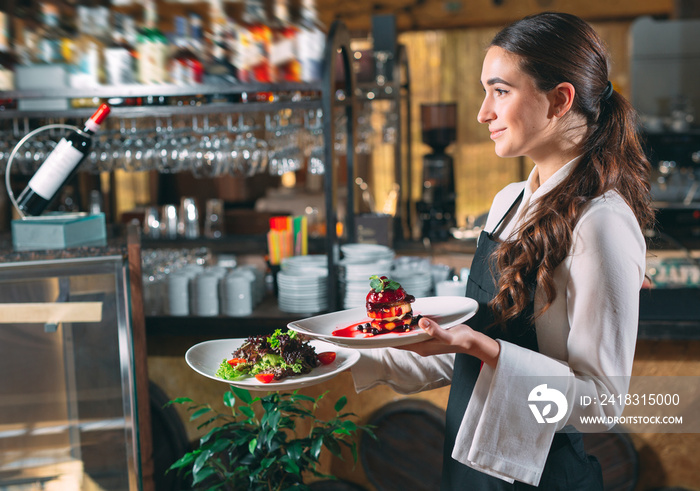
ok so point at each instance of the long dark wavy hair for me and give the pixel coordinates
(553, 48)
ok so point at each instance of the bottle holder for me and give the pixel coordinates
(54, 230)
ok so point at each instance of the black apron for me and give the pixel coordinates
(568, 468)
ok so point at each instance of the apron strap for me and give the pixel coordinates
(510, 209)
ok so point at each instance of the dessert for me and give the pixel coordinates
(389, 306)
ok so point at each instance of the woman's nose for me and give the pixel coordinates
(485, 113)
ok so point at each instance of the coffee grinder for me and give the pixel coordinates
(436, 209)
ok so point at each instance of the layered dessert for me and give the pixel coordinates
(388, 307)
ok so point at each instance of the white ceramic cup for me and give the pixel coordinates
(256, 281)
(206, 298)
(178, 294)
(237, 295)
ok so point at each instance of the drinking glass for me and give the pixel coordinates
(214, 219)
(188, 224)
(169, 222)
(151, 223)
(249, 156)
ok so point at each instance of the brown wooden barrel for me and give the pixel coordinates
(617, 456)
(407, 453)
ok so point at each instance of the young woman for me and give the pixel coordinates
(557, 271)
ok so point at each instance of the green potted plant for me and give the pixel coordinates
(256, 446)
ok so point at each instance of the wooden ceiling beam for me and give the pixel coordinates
(414, 15)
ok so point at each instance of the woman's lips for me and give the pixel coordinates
(496, 133)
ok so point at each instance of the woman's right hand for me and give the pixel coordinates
(458, 339)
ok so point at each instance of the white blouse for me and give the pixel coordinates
(586, 342)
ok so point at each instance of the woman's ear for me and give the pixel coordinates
(561, 99)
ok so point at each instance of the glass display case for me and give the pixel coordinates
(68, 411)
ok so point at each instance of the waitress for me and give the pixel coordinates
(557, 271)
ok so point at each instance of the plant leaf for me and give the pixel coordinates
(203, 474)
(179, 400)
(183, 461)
(207, 422)
(201, 461)
(242, 394)
(331, 444)
(229, 399)
(349, 425)
(269, 405)
(301, 397)
(200, 412)
(220, 445)
(274, 420)
(316, 449)
(340, 404)
(292, 467)
(247, 411)
(294, 450)
(252, 445)
(217, 429)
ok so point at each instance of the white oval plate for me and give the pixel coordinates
(446, 311)
(205, 358)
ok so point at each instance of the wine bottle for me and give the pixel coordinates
(311, 42)
(59, 166)
(185, 67)
(283, 54)
(153, 48)
(254, 41)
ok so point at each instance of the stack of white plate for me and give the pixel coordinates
(366, 253)
(417, 283)
(300, 263)
(360, 261)
(302, 291)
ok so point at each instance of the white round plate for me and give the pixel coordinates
(446, 311)
(205, 358)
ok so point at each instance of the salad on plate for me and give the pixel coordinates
(273, 357)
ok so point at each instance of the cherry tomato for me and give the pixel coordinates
(327, 357)
(235, 361)
(265, 378)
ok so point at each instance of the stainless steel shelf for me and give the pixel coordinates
(167, 90)
(166, 110)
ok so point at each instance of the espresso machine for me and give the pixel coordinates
(675, 183)
(436, 209)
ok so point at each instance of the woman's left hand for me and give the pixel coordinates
(457, 339)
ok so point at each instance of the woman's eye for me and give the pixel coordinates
(500, 91)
